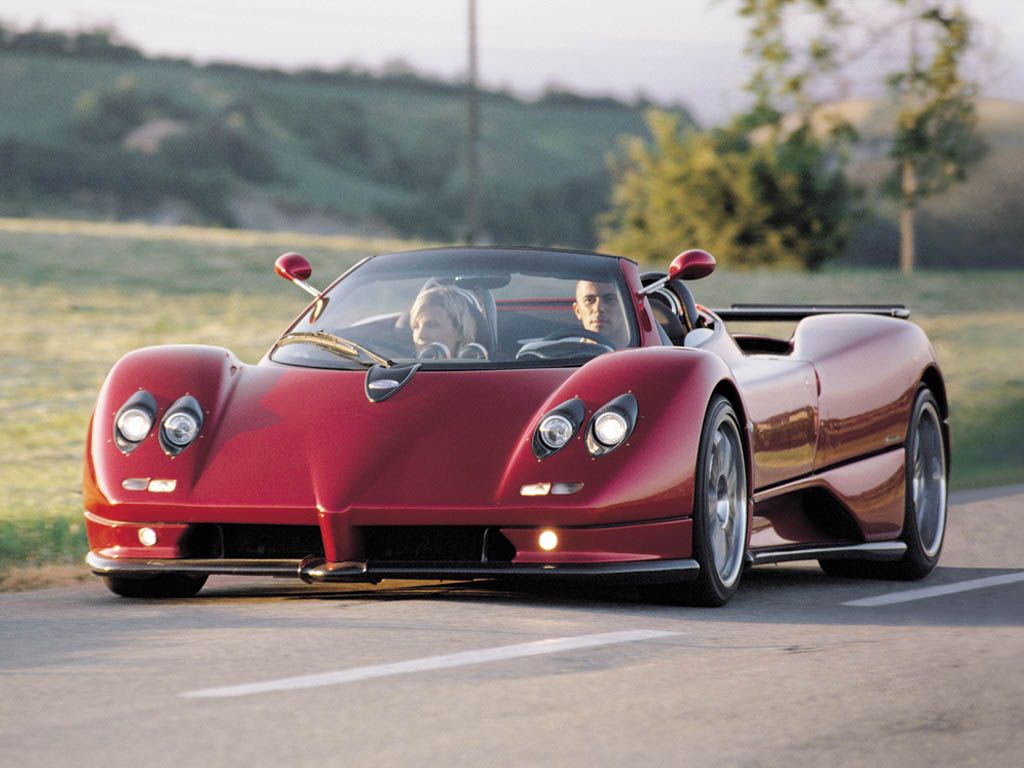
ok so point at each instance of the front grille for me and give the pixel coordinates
(239, 540)
(436, 543)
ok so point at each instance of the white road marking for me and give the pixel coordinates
(428, 663)
(909, 595)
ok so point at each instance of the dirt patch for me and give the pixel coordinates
(21, 578)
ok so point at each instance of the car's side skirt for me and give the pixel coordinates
(872, 550)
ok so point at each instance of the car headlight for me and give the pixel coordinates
(557, 427)
(181, 428)
(134, 424)
(181, 425)
(613, 422)
(610, 428)
(134, 420)
(555, 431)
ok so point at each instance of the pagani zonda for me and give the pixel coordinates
(472, 413)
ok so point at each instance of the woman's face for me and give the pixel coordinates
(432, 324)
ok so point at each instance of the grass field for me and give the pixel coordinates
(75, 297)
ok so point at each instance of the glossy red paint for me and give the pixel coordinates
(621, 543)
(111, 538)
(693, 264)
(293, 266)
(272, 457)
(825, 416)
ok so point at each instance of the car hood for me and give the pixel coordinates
(291, 437)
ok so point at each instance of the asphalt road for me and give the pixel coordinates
(278, 673)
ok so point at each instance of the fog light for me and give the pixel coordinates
(147, 536)
(548, 540)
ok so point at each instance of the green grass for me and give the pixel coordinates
(71, 305)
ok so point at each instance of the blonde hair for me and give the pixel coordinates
(457, 302)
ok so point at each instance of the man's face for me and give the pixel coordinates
(598, 308)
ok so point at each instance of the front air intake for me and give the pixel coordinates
(436, 543)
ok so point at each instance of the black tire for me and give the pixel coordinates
(720, 513)
(924, 524)
(924, 519)
(164, 585)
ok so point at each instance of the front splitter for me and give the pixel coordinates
(318, 570)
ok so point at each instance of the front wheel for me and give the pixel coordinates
(720, 506)
(719, 512)
(164, 585)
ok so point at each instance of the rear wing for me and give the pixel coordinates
(768, 312)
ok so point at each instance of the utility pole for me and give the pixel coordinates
(908, 179)
(473, 192)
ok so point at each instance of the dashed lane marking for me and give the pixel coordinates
(429, 663)
(922, 593)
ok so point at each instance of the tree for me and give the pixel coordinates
(775, 204)
(936, 140)
(767, 190)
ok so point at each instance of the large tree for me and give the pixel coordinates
(768, 203)
(936, 140)
(767, 190)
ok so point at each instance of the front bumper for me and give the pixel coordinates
(318, 570)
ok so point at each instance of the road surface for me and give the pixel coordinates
(799, 669)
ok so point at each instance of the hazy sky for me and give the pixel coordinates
(687, 51)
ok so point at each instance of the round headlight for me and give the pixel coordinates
(134, 424)
(181, 428)
(555, 431)
(610, 428)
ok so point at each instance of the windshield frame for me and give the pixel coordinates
(477, 263)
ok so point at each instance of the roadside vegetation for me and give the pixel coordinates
(72, 301)
(93, 129)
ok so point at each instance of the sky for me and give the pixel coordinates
(673, 51)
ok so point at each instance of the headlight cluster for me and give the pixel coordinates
(135, 420)
(609, 427)
(558, 427)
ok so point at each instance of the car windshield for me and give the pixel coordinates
(458, 308)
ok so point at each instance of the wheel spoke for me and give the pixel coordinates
(928, 480)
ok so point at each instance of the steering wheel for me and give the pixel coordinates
(594, 336)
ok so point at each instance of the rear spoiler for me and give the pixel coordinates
(761, 312)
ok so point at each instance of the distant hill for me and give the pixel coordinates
(91, 128)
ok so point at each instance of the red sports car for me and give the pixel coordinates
(466, 413)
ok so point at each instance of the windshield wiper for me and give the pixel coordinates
(335, 344)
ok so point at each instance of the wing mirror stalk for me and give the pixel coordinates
(688, 265)
(295, 267)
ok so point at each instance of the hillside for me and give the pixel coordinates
(92, 129)
(168, 141)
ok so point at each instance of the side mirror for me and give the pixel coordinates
(294, 267)
(691, 265)
(688, 265)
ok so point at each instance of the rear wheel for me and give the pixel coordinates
(924, 521)
(164, 585)
(924, 525)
